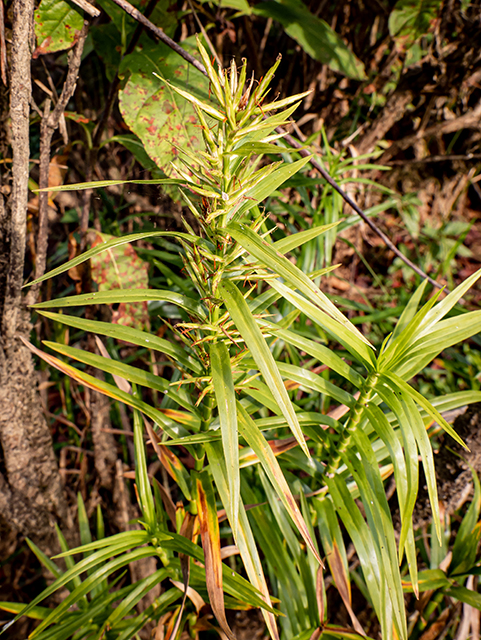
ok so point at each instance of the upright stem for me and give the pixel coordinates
(20, 94)
(353, 423)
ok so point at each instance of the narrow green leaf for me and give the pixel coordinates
(258, 148)
(79, 619)
(127, 604)
(117, 544)
(455, 400)
(320, 352)
(446, 334)
(408, 400)
(107, 389)
(469, 533)
(311, 380)
(130, 373)
(284, 102)
(386, 433)
(131, 538)
(410, 310)
(244, 538)
(425, 404)
(69, 561)
(256, 440)
(368, 479)
(116, 242)
(443, 307)
(430, 579)
(36, 613)
(356, 347)
(114, 296)
(289, 243)
(129, 334)
(89, 583)
(213, 76)
(274, 260)
(396, 349)
(84, 527)
(257, 345)
(208, 108)
(360, 535)
(226, 404)
(268, 185)
(408, 434)
(333, 544)
(44, 559)
(465, 595)
(141, 475)
(98, 184)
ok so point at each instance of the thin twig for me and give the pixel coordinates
(212, 50)
(304, 152)
(88, 8)
(474, 157)
(132, 11)
(3, 46)
(136, 15)
(50, 122)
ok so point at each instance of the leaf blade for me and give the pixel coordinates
(226, 404)
(262, 355)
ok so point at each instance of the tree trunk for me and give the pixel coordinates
(31, 492)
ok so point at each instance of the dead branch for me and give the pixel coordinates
(50, 122)
(136, 15)
(88, 8)
(3, 45)
(469, 120)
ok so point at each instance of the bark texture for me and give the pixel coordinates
(31, 495)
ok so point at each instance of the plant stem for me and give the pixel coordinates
(352, 423)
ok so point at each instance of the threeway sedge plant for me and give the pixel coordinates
(251, 329)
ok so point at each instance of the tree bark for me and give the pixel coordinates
(31, 491)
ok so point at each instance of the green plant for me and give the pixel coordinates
(256, 353)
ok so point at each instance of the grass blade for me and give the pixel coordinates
(261, 448)
(115, 296)
(226, 405)
(130, 373)
(128, 334)
(356, 347)
(111, 244)
(274, 260)
(247, 326)
(244, 538)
